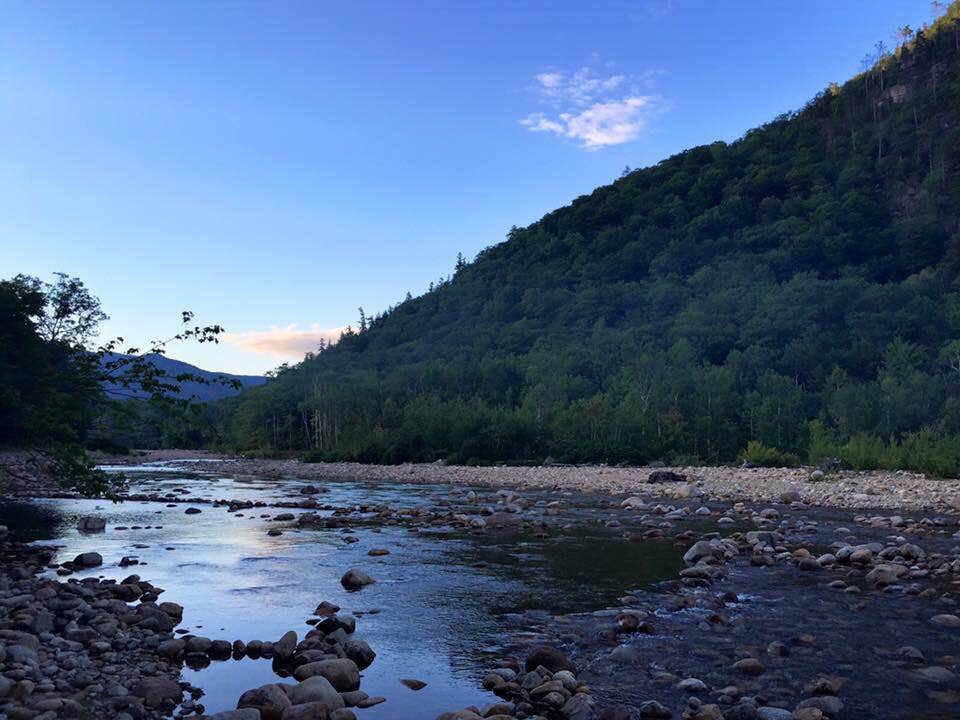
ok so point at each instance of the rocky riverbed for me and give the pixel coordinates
(901, 490)
(420, 598)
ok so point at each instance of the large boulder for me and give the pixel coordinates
(270, 700)
(355, 579)
(550, 657)
(315, 689)
(88, 559)
(342, 673)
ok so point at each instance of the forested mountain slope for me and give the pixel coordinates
(798, 287)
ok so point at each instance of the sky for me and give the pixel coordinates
(273, 166)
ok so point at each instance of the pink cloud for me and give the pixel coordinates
(290, 342)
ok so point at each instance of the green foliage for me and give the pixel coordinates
(807, 273)
(52, 384)
(756, 453)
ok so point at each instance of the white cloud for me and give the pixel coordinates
(596, 110)
(288, 342)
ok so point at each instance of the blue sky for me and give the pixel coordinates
(272, 166)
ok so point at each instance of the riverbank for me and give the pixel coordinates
(686, 608)
(881, 490)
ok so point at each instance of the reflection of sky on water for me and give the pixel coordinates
(439, 594)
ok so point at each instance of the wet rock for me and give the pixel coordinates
(701, 550)
(192, 511)
(270, 700)
(284, 648)
(157, 691)
(549, 657)
(413, 684)
(315, 689)
(91, 524)
(360, 652)
(355, 579)
(378, 552)
(88, 559)
(342, 673)
(242, 714)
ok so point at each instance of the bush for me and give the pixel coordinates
(757, 453)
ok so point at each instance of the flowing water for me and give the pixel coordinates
(447, 603)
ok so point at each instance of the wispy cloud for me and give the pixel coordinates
(290, 342)
(652, 10)
(594, 109)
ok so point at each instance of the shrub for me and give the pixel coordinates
(759, 454)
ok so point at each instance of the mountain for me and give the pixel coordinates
(214, 385)
(794, 294)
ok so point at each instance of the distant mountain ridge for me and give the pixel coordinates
(210, 391)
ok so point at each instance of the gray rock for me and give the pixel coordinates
(270, 700)
(355, 579)
(315, 689)
(342, 673)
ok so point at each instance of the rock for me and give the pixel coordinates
(284, 648)
(157, 691)
(342, 673)
(790, 496)
(378, 552)
(171, 649)
(827, 704)
(313, 690)
(749, 666)
(886, 574)
(91, 524)
(772, 713)
(355, 579)
(950, 621)
(652, 710)
(414, 684)
(242, 714)
(687, 490)
(935, 674)
(88, 559)
(308, 711)
(358, 651)
(578, 707)
(270, 700)
(634, 503)
(550, 657)
(192, 511)
(700, 550)
(692, 685)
